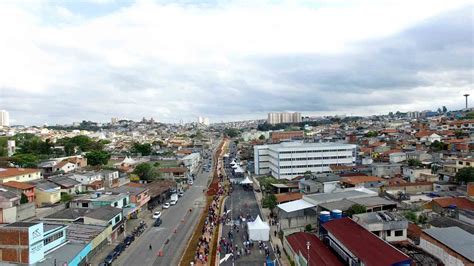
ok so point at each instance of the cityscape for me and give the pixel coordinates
(292, 133)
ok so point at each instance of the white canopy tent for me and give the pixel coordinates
(258, 230)
(246, 181)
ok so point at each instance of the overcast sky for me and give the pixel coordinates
(65, 61)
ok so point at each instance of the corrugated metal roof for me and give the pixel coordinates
(295, 205)
(455, 238)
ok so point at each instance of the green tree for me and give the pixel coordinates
(438, 146)
(422, 219)
(445, 110)
(355, 209)
(414, 162)
(269, 201)
(145, 171)
(262, 137)
(371, 134)
(144, 149)
(231, 132)
(411, 216)
(23, 199)
(97, 158)
(3, 146)
(308, 228)
(465, 175)
(459, 134)
(26, 160)
(65, 197)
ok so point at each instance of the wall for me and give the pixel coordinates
(56, 242)
(101, 237)
(43, 212)
(9, 215)
(25, 211)
(297, 222)
(79, 257)
(438, 250)
(23, 178)
(45, 198)
(14, 245)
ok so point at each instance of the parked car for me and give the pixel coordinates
(110, 258)
(173, 202)
(166, 205)
(157, 222)
(181, 193)
(129, 239)
(156, 215)
(190, 182)
(173, 190)
(119, 249)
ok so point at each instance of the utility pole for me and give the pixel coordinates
(466, 95)
(307, 246)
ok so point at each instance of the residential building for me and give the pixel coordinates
(418, 155)
(110, 178)
(464, 162)
(4, 118)
(319, 183)
(357, 246)
(67, 185)
(46, 192)
(389, 226)
(22, 188)
(107, 215)
(363, 181)
(173, 172)
(452, 245)
(280, 136)
(8, 200)
(397, 157)
(412, 173)
(19, 174)
(191, 161)
(100, 199)
(386, 170)
(291, 159)
(139, 195)
(11, 147)
(278, 118)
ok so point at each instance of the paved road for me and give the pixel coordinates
(139, 254)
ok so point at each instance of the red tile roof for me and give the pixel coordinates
(285, 197)
(354, 180)
(319, 254)
(366, 246)
(12, 172)
(460, 203)
(18, 185)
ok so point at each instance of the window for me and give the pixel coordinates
(85, 205)
(117, 219)
(399, 233)
(52, 238)
(389, 232)
(115, 204)
(125, 202)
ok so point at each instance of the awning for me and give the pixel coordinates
(295, 205)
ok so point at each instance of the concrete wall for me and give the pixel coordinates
(9, 215)
(43, 212)
(25, 211)
(441, 252)
(297, 222)
(46, 198)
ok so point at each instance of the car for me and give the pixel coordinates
(156, 215)
(128, 240)
(119, 249)
(173, 190)
(181, 193)
(190, 182)
(173, 202)
(166, 205)
(157, 222)
(110, 258)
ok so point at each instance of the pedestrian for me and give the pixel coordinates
(150, 247)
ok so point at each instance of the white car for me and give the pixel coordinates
(172, 202)
(166, 205)
(190, 182)
(156, 215)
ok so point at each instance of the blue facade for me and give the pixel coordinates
(81, 255)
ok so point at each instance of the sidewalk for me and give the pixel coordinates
(275, 241)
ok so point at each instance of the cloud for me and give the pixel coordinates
(232, 60)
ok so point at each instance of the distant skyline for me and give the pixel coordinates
(66, 61)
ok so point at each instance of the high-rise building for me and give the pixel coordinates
(203, 120)
(291, 159)
(278, 118)
(4, 119)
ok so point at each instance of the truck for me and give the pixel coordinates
(174, 197)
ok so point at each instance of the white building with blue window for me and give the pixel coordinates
(288, 160)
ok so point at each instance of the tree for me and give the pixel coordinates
(26, 160)
(97, 158)
(231, 132)
(411, 216)
(144, 149)
(465, 175)
(438, 146)
(262, 137)
(269, 201)
(145, 171)
(414, 162)
(459, 134)
(308, 228)
(65, 197)
(23, 199)
(355, 209)
(445, 110)
(371, 134)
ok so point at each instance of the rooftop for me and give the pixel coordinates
(18, 185)
(460, 203)
(374, 250)
(21, 224)
(319, 198)
(44, 185)
(64, 181)
(319, 254)
(12, 172)
(69, 214)
(444, 221)
(105, 213)
(455, 238)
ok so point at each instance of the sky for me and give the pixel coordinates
(66, 61)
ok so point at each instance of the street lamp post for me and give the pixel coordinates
(307, 246)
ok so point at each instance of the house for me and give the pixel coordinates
(419, 156)
(99, 199)
(19, 174)
(386, 170)
(450, 204)
(287, 197)
(173, 172)
(46, 193)
(68, 185)
(357, 246)
(464, 162)
(363, 181)
(412, 173)
(433, 137)
(8, 200)
(22, 188)
(138, 195)
(397, 157)
(279, 136)
(110, 178)
(191, 161)
(319, 183)
(387, 225)
(452, 245)
(297, 245)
